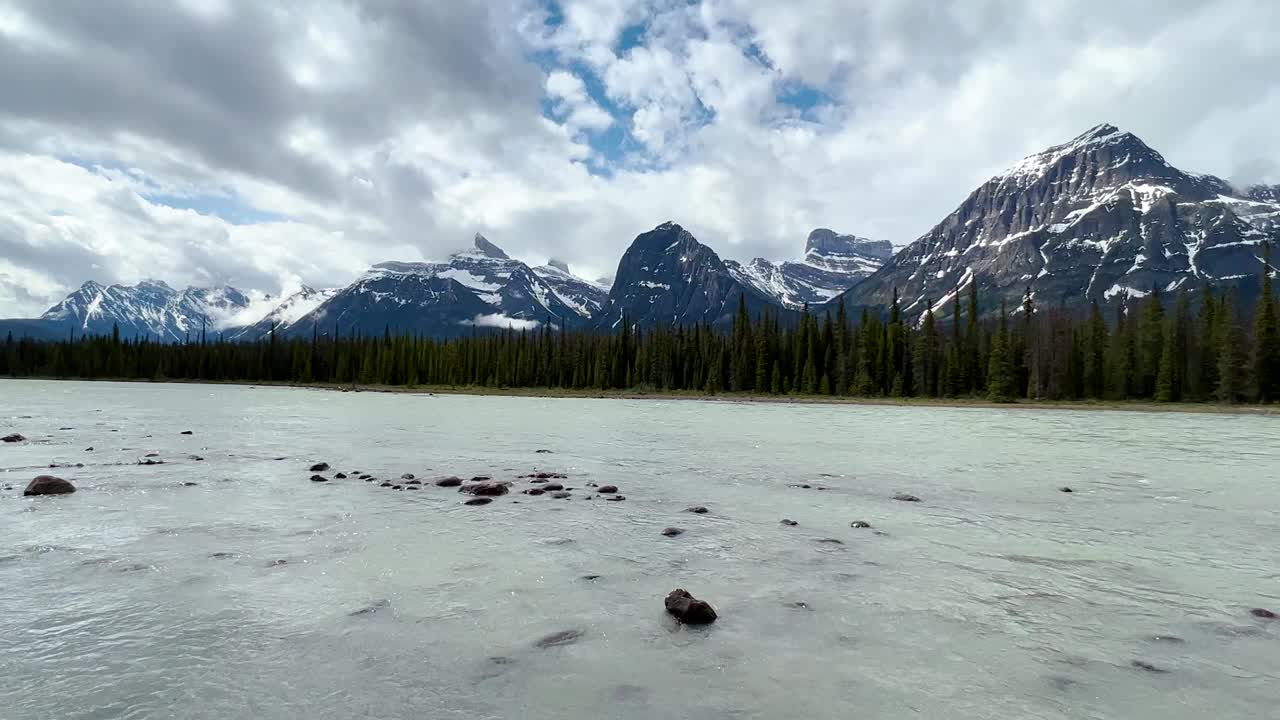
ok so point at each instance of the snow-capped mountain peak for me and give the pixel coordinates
(832, 263)
(150, 308)
(488, 249)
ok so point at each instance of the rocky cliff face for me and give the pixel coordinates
(832, 264)
(149, 309)
(1102, 217)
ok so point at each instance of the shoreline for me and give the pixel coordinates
(746, 398)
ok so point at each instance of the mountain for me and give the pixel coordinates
(149, 309)
(584, 296)
(1103, 217)
(831, 264)
(667, 278)
(286, 314)
(480, 287)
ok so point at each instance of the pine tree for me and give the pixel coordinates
(1000, 387)
(1231, 353)
(1266, 334)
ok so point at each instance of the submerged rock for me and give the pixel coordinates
(1065, 489)
(14, 438)
(407, 476)
(860, 524)
(365, 476)
(319, 467)
(186, 432)
(534, 491)
(564, 637)
(789, 522)
(688, 609)
(543, 452)
(486, 489)
(697, 510)
(319, 478)
(385, 484)
(478, 501)
(1144, 665)
(591, 578)
(905, 497)
(449, 482)
(150, 461)
(607, 489)
(830, 541)
(616, 498)
(562, 495)
(189, 483)
(552, 487)
(371, 608)
(672, 531)
(340, 476)
(1263, 613)
(48, 485)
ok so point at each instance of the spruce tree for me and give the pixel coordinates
(1000, 387)
(1266, 334)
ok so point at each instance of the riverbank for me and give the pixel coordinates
(594, 394)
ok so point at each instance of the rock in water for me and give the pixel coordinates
(319, 467)
(478, 501)
(319, 478)
(186, 432)
(607, 489)
(1263, 613)
(564, 637)
(1065, 489)
(688, 609)
(860, 524)
(449, 482)
(543, 452)
(697, 510)
(789, 523)
(48, 485)
(904, 497)
(485, 489)
(407, 476)
(553, 487)
(562, 495)
(672, 531)
(14, 438)
(341, 476)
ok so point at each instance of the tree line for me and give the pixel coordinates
(1153, 348)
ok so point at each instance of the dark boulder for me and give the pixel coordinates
(478, 501)
(488, 489)
(186, 432)
(150, 461)
(1263, 613)
(412, 482)
(340, 476)
(481, 478)
(319, 478)
(407, 476)
(449, 482)
(697, 510)
(48, 485)
(412, 487)
(89, 449)
(543, 452)
(534, 491)
(860, 524)
(196, 458)
(397, 487)
(1065, 489)
(672, 531)
(616, 498)
(158, 455)
(385, 484)
(319, 467)
(552, 487)
(607, 489)
(904, 497)
(688, 609)
(190, 484)
(14, 438)
(562, 495)
(789, 523)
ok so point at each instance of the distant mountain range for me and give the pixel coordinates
(1101, 218)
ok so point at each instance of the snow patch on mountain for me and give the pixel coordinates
(832, 263)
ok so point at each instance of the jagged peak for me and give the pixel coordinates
(1036, 164)
(153, 284)
(488, 249)
(559, 264)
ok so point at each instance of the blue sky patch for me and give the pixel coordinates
(226, 207)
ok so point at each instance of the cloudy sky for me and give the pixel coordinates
(265, 144)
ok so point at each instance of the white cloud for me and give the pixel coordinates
(498, 320)
(384, 131)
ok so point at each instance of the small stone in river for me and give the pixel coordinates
(616, 498)
(799, 605)
(607, 489)
(591, 578)
(789, 523)
(485, 488)
(48, 485)
(277, 563)
(1263, 613)
(189, 484)
(340, 476)
(904, 497)
(397, 487)
(14, 438)
(319, 478)
(407, 476)
(552, 487)
(672, 531)
(830, 541)
(158, 455)
(1144, 665)
(1065, 489)
(697, 510)
(371, 608)
(860, 524)
(319, 467)
(481, 478)
(412, 482)
(150, 461)
(688, 609)
(534, 491)
(478, 501)
(89, 449)
(543, 452)
(186, 432)
(561, 495)
(223, 555)
(197, 458)
(385, 484)
(564, 637)
(449, 482)
(366, 476)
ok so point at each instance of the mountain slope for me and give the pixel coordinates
(480, 287)
(286, 314)
(831, 264)
(668, 278)
(1102, 217)
(149, 309)
(584, 296)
